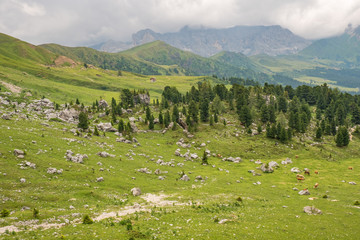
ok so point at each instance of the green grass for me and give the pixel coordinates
(260, 215)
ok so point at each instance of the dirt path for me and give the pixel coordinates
(11, 87)
(151, 199)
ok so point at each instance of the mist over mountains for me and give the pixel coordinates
(206, 42)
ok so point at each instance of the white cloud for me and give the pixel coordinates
(82, 22)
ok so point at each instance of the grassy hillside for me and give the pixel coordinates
(33, 70)
(344, 48)
(226, 201)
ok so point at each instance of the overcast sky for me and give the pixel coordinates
(85, 22)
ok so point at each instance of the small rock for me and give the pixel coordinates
(312, 210)
(100, 179)
(136, 191)
(304, 192)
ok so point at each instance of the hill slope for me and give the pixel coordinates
(344, 48)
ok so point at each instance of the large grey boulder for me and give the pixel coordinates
(18, 153)
(106, 127)
(103, 104)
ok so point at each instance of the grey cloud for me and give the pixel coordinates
(83, 22)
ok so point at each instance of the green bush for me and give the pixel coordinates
(357, 203)
(87, 220)
(5, 213)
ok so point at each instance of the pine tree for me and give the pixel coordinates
(283, 135)
(355, 115)
(282, 104)
(175, 114)
(193, 111)
(264, 113)
(204, 160)
(77, 101)
(96, 131)
(216, 119)
(121, 127)
(161, 119)
(211, 120)
(83, 121)
(318, 134)
(184, 112)
(289, 134)
(342, 137)
(204, 110)
(148, 113)
(167, 118)
(245, 116)
(151, 122)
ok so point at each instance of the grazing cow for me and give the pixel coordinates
(300, 177)
(350, 168)
(219, 155)
(306, 171)
(316, 172)
(316, 185)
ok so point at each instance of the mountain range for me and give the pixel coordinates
(334, 61)
(206, 42)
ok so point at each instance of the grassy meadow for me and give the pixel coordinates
(270, 210)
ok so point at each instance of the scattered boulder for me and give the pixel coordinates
(295, 170)
(273, 164)
(100, 179)
(136, 191)
(19, 153)
(22, 180)
(265, 167)
(54, 171)
(105, 154)
(5, 117)
(258, 162)
(352, 183)
(103, 104)
(311, 210)
(304, 192)
(106, 127)
(144, 170)
(78, 158)
(185, 178)
(286, 161)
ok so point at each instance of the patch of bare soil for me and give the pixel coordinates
(11, 87)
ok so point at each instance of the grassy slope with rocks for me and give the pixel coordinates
(269, 210)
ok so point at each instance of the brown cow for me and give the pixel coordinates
(300, 177)
(306, 171)
(316, 172)
(316, 185)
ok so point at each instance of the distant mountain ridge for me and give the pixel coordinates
(345, 48)
(206, 42)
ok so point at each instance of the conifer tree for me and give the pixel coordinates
(211, 120)
(151, 122)
(96, 131)
(121, 127)
(216, 119)
(161, 118)
(83, 121)
(204, 110)
(175, 114)
(167, 118)
(318, 134)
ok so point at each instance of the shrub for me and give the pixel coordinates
(87, 220)
(239, 199)
(4, 213)
(36, 213)
(357, 203)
